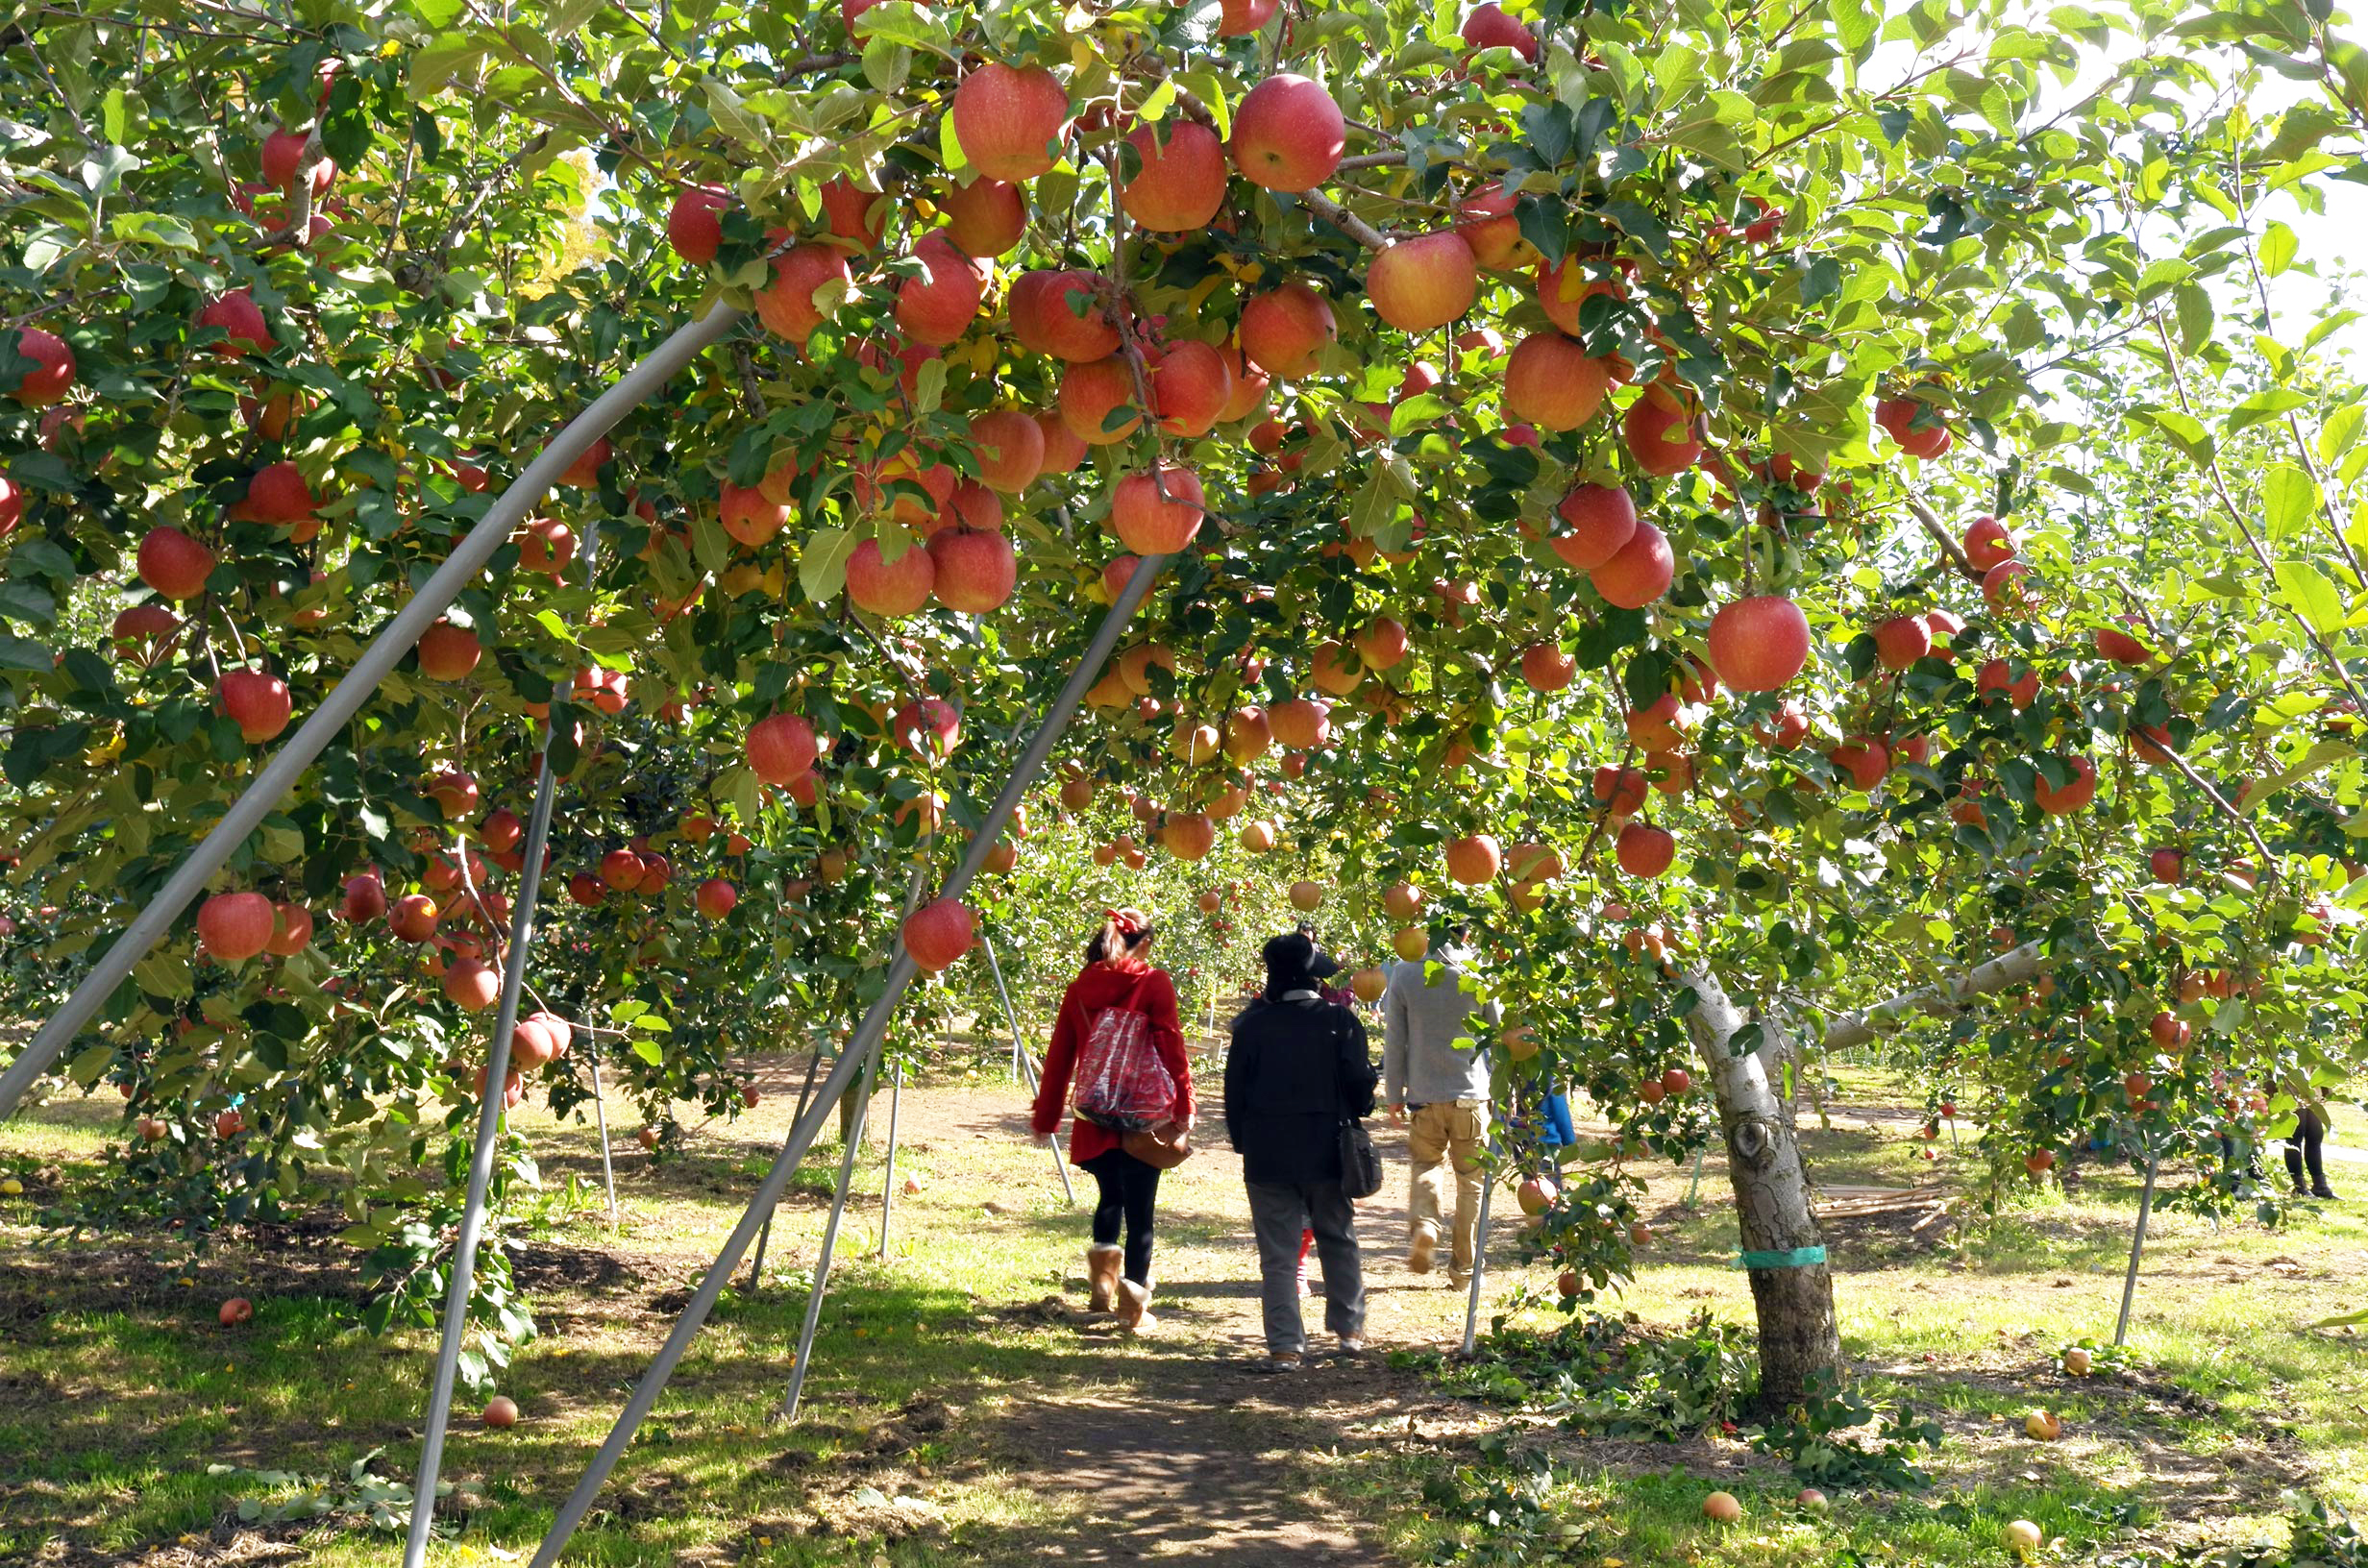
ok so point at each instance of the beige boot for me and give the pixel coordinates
(1134, 1306)
(1101, 1272)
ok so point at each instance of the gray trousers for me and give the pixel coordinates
(1279, 1212)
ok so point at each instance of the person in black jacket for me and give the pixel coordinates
(1297, 1069)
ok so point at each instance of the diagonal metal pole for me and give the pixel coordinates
(764, 1237)
(796, 1391)
(480, 1165)
(1479, 1259)
(600, 1114)
(888, 1186)
(867, 1035)
(2137, 1250)
(328, 722)
(1026, 1063)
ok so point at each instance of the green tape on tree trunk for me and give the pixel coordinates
(1797, 1258)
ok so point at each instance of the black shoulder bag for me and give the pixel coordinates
(1360, 1160)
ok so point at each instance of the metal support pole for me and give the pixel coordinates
(764, 1237)
(1479, 1262)
(830, 1242)
(2137, 1248)
(463, 1263)
(329, 721)
(1694, 1186)
(1024, 1063)
(600, 1114)
(867, 1035)
(888, 1186)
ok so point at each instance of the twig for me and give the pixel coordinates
(1949, 547)
(1345, 221)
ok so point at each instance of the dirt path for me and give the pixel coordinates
(1181, 1449)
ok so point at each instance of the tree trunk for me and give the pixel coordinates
(1799, 1341)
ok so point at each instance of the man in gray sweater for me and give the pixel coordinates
(1434, 1063)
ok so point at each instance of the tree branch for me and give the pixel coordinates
(1345, 221)
(2010, 968)
(1949, 547)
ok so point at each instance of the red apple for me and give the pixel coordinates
(1284, 329)
(1157, 512)
(1646, 851)
(1485, 26)
(940, 932)
(53, 372)
(1181, 180)
(972, 570)
(1639, 573)
(1008, 118)
(1551, 383)
(1040, 304)
(173, 564)
(787, 305)
(1288, 133)
(1601, 518)
(256, 701)
(1759, 644)
(889, 588)
(937, 306)
(1423, 283)
(234, 925)
(695, 223)
(1010, 446)
(1901, 641)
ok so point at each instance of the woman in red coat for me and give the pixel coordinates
(1117, 970)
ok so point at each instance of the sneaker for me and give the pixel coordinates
(1352, 1344)
(1422, 1249)
(1278, 1363)
(1457, 1282)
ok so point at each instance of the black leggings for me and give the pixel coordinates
(2305, 1148)
(1129, 1192)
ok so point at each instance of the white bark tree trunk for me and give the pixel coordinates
(1799, 1340)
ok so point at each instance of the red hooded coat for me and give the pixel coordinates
(1099, 986)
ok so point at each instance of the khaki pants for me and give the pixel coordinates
(1449, 1132)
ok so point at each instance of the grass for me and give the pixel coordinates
(119, 1389)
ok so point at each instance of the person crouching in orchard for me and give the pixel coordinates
(1117, 1039)
(1297, 1071)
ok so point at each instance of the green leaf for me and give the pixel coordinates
(822, 565)
(709, 543)
(648, 1050)
(950, 146)
(1207, 86)
(434, 65)
(2288, 499)
(887, 64)
(2306, 588)
(2278, 248)
(929, 387)
(22, 653)
(2341, 430)
(733, 118)
(2263, 406)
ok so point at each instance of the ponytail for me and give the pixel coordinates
(1122, 931)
